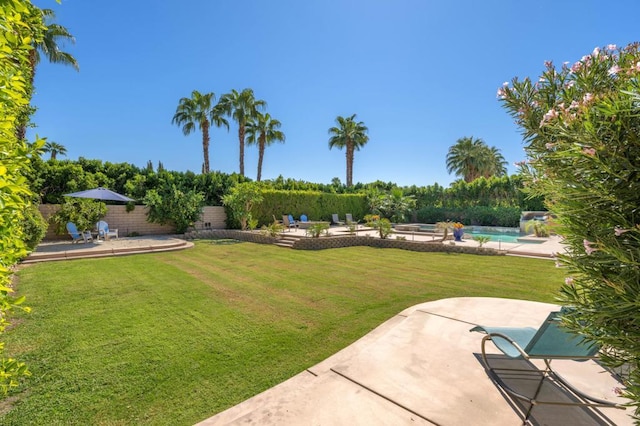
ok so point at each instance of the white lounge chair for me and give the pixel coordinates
(105, 232)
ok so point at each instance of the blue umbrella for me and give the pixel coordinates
(100, 194)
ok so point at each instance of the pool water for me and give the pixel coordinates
(498, 236)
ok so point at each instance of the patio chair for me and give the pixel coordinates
(550, 341)
(105, 232)
(288, 222)
(77, 236)
(349, 218)
(335, 220)
(304, 218)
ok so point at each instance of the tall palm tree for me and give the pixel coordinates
(199, 111)
(54, 149)
(472, 158)
(49, 46)
(263, 131)
(242, 107)
(496, 164)
(351, 135)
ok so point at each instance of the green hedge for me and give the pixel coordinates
(316, 205)
(478, 215)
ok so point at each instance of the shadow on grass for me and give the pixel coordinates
(225, 241)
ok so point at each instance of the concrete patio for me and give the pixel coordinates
(423, 367)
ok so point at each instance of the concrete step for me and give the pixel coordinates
(287, 241)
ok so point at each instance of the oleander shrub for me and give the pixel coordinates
(581, 129)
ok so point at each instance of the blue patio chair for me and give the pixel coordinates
(304, 218)
(77, 236)
(550, 341)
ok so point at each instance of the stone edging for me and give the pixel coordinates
(323, 243)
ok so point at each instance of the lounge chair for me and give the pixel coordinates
(349, 218)
(335, 220)
(105, 232)
(304, 218)
(550, 341)
(288, 222)
(76, 236)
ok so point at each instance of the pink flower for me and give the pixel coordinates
(611, 47)
(519, 163)
(548, 64)
(550, 115)
(502, 94)
(589, 151)
(619, 231)
(574, 105)
(568, 281)
(570, 84)
(588, 97)
(576, 67)
(588, 248)
(549, 145)
(596, 52)
(614, 70)
(637, 66)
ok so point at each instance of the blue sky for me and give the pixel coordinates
(420, 74)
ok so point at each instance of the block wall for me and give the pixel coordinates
(136, 221)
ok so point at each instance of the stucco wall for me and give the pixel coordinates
(213, 217)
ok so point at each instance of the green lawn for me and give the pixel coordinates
(173, 338)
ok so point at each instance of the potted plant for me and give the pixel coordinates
(458, 231)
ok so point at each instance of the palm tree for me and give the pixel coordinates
(49, 46)
(496, 164)
(242, 107)
(472, 158)
(199, 111)
(350, 135)
(54, 149)
(263, 131)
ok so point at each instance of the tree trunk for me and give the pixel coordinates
(349, 165)
(205, 146)
(261, 144)
(241, 140)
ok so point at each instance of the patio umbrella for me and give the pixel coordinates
(100, 194)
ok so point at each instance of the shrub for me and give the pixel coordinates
(482, 239)
(273, 229)
(240, 201)
(383, 226)
(81, 211)
(539, 228)
(318, 229)
(172, 205)
(34, 227)
(581, 127)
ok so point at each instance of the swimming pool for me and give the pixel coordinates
(502, 234)
(497, 236)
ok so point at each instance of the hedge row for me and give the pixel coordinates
(478, 215)
(316, 205)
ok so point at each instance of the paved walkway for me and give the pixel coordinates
(65, 250)
(422, 367)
